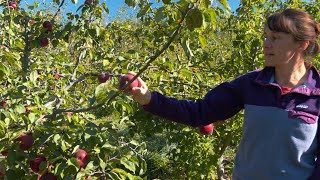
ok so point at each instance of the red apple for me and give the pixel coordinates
(28, 110)
(56, 76)
(207, 129)
(103, 77)
(44, 42)
(125, 79)
(89, 2)
(48, 176)
(26, 141)
(82, 157)
(35, 164)
(13, 5)
(47, 25)
(4, 152)
(88, 177)
(32, 21)
(3, 103)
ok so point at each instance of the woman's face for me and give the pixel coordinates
(279, 48)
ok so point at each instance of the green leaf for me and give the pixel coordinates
(32, 117)
(131, 3)
(113, 176)
(145, 9)
(121, 172)
(194, 19)
(166, 1)
(106, 9)
(56, 138)
(90, 166)
(109, 146)
(202, 40)
(225, 4)
(213, 17)
(102, 92)
(3, 70)
(34, 76)
(159, 15)
(186, 47)
(74, 1)
(206, 3)
(73, 162)
(186, 73)
(20, 109)
(128, 164)
(102, 163)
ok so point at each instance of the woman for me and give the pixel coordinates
(281, 103)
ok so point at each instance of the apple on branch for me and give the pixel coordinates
(13, 5)
(36, 163)
(44, 42)
(4, 152)
(26, 141)
(47, 25)
(3, 103)
(28, 110)
(103, 77)
(125, 79)
(82, 157)
(207, 129)
(57, 76)
(48, 176)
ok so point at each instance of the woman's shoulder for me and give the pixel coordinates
(254, 74)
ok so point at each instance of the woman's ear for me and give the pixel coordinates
(304, 45)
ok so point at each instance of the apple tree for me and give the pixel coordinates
(65, 112)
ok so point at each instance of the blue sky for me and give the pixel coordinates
(113, 5)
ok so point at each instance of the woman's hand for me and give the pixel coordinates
(141, 94)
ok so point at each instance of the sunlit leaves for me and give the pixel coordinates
(131, 3)
(194, 19)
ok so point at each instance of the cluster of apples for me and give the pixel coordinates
(44, 41)
(39, 163)
(103, 77)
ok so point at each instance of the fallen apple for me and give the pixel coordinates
(82, 157)
(26, 141)
(207, 129)
(35, 164)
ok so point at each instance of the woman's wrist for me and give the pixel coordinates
(146, 99)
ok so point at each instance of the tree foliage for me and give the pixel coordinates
(180, 48)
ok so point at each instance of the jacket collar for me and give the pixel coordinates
(311, 87)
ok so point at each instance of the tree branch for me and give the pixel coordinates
(25, 60)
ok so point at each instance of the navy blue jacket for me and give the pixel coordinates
(280, 131)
